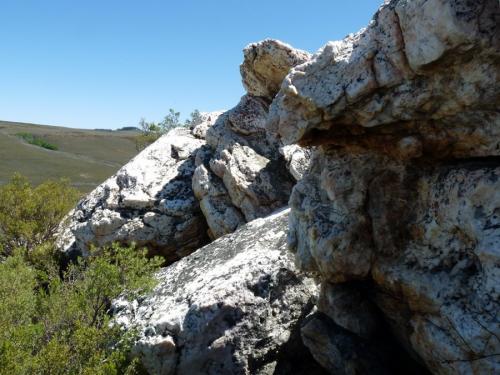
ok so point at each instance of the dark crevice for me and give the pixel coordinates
(473, 163)
(294, 358)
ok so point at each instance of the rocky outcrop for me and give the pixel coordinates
(240, 175)
(243, 174)
(149, 201)
(392, 140)
(232, 307)
(197, 184)
(402, 193)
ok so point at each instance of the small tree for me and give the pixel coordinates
(170, 121)
(194, 120)
(151, 131)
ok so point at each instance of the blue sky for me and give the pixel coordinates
(107, 63)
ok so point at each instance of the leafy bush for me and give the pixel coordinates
(151, 131)
(37, 141)
(53, 320)
(65, 327)
(29, 216)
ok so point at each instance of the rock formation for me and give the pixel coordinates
(234, 306)
(241, 175)
(390, 140)
(244, 174)
(149, 201)
(227, 161)
(402, 194)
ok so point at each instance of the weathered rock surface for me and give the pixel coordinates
(243, 175)
(298, 159)
(266, 64)
(402, 194)
(149, 201)
(240, 175)
(233, 307)
(222, 216)
(206, 120)
(392, 137)
(426, 68)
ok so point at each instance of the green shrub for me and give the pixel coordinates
(195, 119)
(53, 320)
(29, 216)
(65, 327)
(37, 141)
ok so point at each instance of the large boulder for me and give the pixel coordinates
(428, 68)
(401, 200)
(265, 65)
(234, 306)
(149, 201)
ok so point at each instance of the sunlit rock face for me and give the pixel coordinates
(403, 192)
(244, 172)
(234, 306)
(386, 147)
(265, 65)
(426, 68)
(195, 185)
(149, 201)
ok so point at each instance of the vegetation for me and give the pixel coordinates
(29, 216)
(195, 118)
(55, 320)
(129, 128)
(151, 131)
(37, 141)
(87, 157)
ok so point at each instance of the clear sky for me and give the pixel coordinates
(107, 63)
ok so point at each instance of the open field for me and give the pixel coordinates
(86, 157)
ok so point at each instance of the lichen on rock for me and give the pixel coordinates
(149, 201)
(390, 140)
(402, 193)
(232, 307)
(244, 174)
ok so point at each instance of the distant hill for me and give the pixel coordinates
(86, 157)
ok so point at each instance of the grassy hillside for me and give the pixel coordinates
(86, 157)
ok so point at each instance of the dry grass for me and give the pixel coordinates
(86, 157)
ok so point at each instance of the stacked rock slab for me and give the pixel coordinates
(402, 199)
(232, 307)
(149, 201)
(241, 174)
